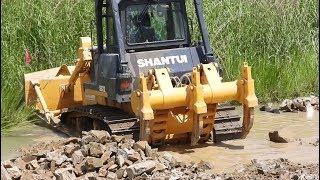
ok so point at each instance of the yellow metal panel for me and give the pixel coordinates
(54, 95)
(85, 42)
(163, 78)
(101, 100)
(96, 93)
(30, 78)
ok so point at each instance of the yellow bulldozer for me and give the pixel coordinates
(145, 79)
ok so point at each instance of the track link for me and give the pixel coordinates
(99, 117)
(227, 125)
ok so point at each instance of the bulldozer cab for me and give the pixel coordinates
(158, 24)
(143, 25)
(135, 36)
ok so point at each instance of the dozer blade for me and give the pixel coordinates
(58, 96)
(191, 111)
(61, 87)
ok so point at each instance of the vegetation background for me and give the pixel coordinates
(278, 38)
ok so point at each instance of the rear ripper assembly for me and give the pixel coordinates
(163, 108)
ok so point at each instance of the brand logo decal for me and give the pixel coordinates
(162, 61)
(102, 88)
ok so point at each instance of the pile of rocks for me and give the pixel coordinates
(97, 155)
(274, 169)
(295, 105)
(268, 108)
(299, 104)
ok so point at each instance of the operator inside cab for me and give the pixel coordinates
(143, 31)
(154, 23)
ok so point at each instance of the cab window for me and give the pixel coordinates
(150, 23)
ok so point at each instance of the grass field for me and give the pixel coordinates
(279, 38)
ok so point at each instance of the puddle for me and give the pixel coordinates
(228, 154)
(23, 137)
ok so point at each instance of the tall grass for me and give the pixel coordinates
(50, 31)
(13, 111)
(279, 38)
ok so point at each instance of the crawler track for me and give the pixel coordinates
(227, 124)
(100, 117)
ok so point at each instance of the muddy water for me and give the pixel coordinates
(229, 154)
(225, 156)
(24, 137)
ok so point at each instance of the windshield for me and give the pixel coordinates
(149, 23)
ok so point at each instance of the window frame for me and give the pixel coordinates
(159, 44)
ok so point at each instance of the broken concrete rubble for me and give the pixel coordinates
(97, 155)
(14, 172)
(100, 136)
(93, 163)
(294, 105)
(96, 149)
(139, 168)
(77, 157)
(69, 149)
(64, 174)
(140, 145)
